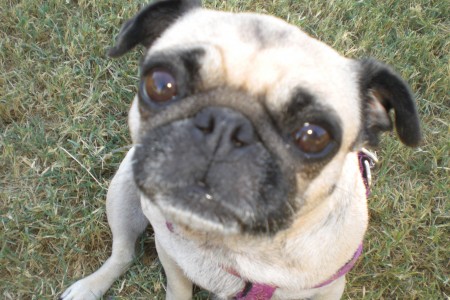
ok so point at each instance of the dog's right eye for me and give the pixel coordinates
(160, 85)
(313, 140)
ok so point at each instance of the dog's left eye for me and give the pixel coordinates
(160, 85)
(313, 139)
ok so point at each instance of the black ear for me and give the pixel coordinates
(383, 90)
(149, 24)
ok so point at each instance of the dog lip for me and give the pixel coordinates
(185, 218)
(200, 188)
(197, 207)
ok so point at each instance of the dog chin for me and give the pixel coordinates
(212, 218)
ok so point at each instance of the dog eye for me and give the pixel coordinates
(312, 139)
(160, 85)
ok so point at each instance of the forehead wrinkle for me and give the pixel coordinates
(223, 65)
(255, 70)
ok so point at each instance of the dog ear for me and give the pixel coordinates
(383, 90)
(149, 24)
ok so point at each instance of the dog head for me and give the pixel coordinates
(242, 120)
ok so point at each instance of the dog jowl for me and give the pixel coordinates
(246, 161)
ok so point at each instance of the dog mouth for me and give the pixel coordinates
(225, 199)
(198, 208)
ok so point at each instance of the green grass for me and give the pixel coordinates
(63, 107)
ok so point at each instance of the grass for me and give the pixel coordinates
(63, 108)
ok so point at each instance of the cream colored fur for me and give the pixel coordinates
(295, 259)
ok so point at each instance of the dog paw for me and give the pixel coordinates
(82, 290)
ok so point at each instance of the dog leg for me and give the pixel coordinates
(127, 222)
(179, 287)
(333, 291)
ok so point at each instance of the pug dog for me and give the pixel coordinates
(247, 157)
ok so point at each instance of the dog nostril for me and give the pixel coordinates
(237, 143)
(236, 139)
(207, 128)
(221, 127)
(205, 122)
(243, 135)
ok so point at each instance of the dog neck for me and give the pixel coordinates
(263, 291)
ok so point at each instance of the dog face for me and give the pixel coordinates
(243, 122)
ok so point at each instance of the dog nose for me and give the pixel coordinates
(222, 127)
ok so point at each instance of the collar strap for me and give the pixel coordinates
(253, 291)
(345, 269)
